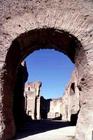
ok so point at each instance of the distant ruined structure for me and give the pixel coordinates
(55, 108)
(31, 103)
(37, 107)
(32, 99)
(71, 100)
(65, 108)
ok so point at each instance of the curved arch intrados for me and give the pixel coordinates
(46, 38)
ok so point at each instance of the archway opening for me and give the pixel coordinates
(26, 43)
(54, 70)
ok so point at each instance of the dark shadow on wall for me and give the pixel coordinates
(74, 118)
(44, 107)
(58, 117)
(18, 96)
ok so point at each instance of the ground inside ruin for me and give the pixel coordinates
(46, 129)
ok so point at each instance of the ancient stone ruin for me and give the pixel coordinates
(32, 99)
(37, 107)
(65, 108)
(63, 25)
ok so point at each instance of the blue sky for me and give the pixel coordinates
(52, 68)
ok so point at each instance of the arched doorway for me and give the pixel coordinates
(25, 44)
(54, 70)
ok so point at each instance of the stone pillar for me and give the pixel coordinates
(38, 108)
(37, 93)
(31, 109)
(7, 126)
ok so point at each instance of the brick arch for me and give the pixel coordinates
(27, 43)
(45, 38)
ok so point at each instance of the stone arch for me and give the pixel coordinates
(75, 17)
(27, 43)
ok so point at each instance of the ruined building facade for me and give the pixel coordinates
(32, 99)
(65, 108)
(71, 99)
(55, 109)
(37, 107)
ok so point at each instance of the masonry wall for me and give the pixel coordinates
(55, 109)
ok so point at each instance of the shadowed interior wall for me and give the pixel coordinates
(18, 96)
